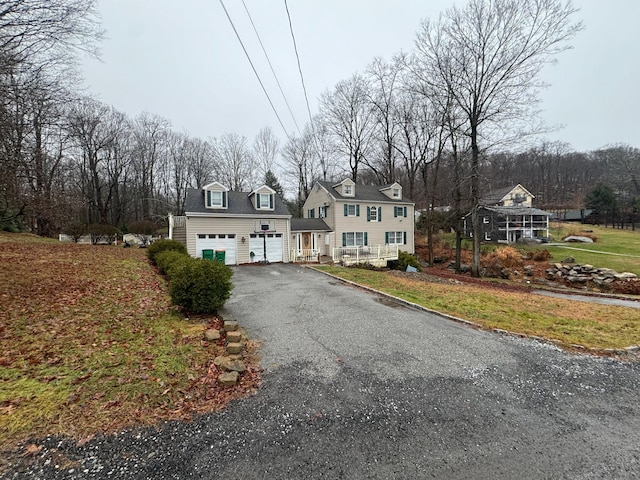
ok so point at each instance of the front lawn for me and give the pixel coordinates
(91, 343)
(569, 322)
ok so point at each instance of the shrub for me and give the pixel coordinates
(166, 259)
(404, 259)
(541, 255)
(200, 286)
(76, 230)
(162, 246)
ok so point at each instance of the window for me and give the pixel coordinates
(374, 214)
(354, 239)
(311, 213)
(396, 193)
(395, 238)
(487, 236)
(264, 201)
(216, 199)
(399, 211)
(485, 220)
(348, 189)
(322, 212)
(351, 210)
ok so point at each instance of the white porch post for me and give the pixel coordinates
(171, 224)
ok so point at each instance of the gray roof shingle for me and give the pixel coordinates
(364, 193)
(309, 225)
(238, 203)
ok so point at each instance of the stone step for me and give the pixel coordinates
(235, 347)
(234, 336)
(230, 326)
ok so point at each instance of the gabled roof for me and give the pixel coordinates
(496, 196)
(309, 225)
(260, 188)
(209, 185)
(238, 203)
(364, 193)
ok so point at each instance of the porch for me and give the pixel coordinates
(377, 255)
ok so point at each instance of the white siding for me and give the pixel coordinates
(241, 227)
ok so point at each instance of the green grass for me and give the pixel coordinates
(568, 322)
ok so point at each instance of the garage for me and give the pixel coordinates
(226, 242)
(274, 246)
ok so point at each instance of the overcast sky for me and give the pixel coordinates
(182, 61)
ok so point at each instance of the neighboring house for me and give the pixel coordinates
(359, 215)
(507, 216)
(238, 223)
(309, 237)
(580, 215)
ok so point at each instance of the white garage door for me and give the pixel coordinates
(226, 242)
(274, 247)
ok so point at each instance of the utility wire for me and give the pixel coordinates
(271, 67)
(254, 68)
(304, 88)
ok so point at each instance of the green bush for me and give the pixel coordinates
(199, 285)
(162, 246)
(404, 259)
(165, 260)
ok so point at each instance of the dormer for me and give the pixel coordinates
(393, 191)
(346, 188)
(215, 196)
(263, 198)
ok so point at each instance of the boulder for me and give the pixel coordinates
(228, 378)
(211, 335)
(577, 238)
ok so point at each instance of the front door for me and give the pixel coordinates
(306, 241)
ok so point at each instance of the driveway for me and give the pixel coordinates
(356, 386)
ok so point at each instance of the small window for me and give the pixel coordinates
(485, 220)
(395, 238)
(215, 199)
(351, 210)
(311, 213)
(212, 236)
(399, 211)
(264, 201)
(322, 212)
(373, 214)
(348, 189)
(201, 235)
(396, 193)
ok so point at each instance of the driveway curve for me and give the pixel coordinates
(357, 386)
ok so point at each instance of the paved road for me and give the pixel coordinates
(358, 387)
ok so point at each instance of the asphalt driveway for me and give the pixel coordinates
(359, 387)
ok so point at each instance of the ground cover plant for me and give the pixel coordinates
(568, 322)
(91, 343)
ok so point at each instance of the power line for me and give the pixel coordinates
(254, 68)
(271, 67)
(304, 88)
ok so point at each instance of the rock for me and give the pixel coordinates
(228, 379)
(230, 326)
(625, 276)
(234, 347)
(219, 360)
(528, 270)
(577, 238)
(569, 260)
(234, 365)
(234, 336)
(211, 335)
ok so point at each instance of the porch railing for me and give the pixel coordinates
(364, 254)
(304, 256)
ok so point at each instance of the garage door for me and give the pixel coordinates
(226, 242)
(274, 247)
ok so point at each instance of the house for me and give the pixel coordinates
(247, 226)
(357, 216)
(507, 216)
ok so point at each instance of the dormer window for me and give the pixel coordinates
(216, 199)
(264, 201)
(396, 192)
(348, 189)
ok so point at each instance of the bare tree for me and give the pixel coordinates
(265, 151)
(348, 116)
(236, 165)
(488, 56)
(301, 167)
